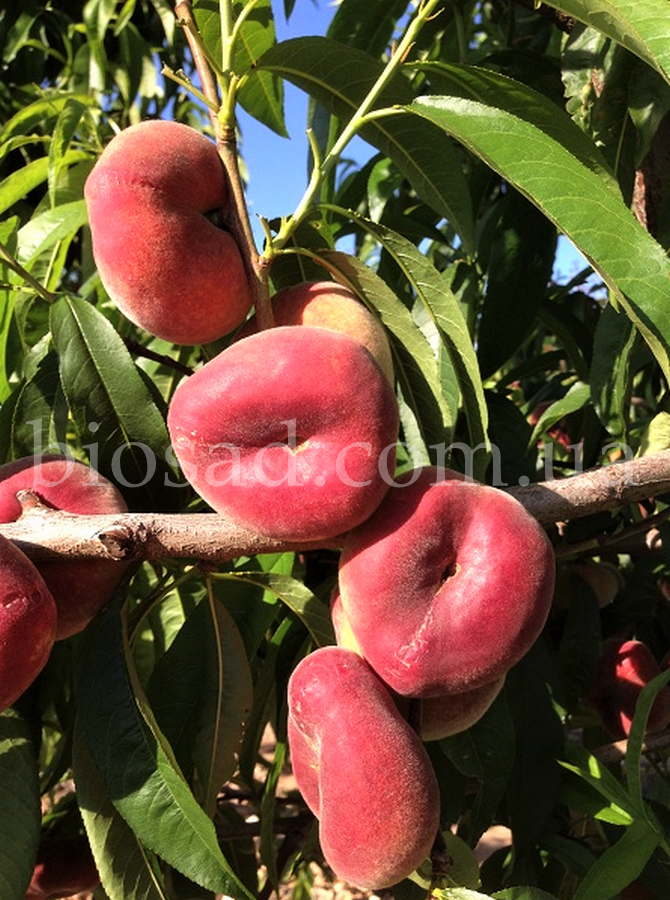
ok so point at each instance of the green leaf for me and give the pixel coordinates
(642, 26)
(340, 77)
(572, 196)
(582, 797)
(614, 343)
(436, 300)
(619, 864)
(504, 93)
(20, 815)
(523, 892)
(126, 867)
(459, 893)
(40, 113)
(485, 752)
(60, 154)
(135, 772)
(415, 362)
(262, 95)
(539, 740)
(314, 614)
(36, 418)
(369, 26)
(19, 183)
(8, 237)
(576, 398)
(586, 766)
(110, 401)
(226, 701)
(48, 228)
(634, 769)
(519, 269)
(200, 693)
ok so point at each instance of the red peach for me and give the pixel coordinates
(330, 305)
(361, 769)
(447, 585)
(290, 432)
(167, 267)
(450, 714)
(27, 623)
(80, 587)
(441, 716)
(623, 670)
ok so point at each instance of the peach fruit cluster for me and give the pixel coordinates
(291, 433)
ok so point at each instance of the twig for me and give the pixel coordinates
(46, 533)
(137, 349)
(184, 15)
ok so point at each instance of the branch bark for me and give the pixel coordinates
(44, 533)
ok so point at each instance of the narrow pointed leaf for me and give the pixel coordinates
(137, 775)
(60, 154)
(262, 93)
(442, 308)
(574, 197)
(46, 229)
(109, 400)
(518, 99)
(369, 27)
(634, 767)
(620, 864)
(201, 693)
(125, 865)
(415, 361)
(587, 767)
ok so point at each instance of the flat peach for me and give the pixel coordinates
(447, 585)
(290, 432)
(152, 198)
(361, 769)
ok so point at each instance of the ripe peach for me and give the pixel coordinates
(450, 714)
(164, 263)
(290, 432)
(623, 670)
(330, 305)
(447, 585)
(64, 867)
(27, 623)
(440, 716)
(361, 769)
(80, 587)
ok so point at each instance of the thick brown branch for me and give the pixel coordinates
(605, 488)
(45, 533)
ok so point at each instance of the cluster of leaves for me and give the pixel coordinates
(504, 127)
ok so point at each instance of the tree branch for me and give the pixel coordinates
(44, 533)
(605, 488)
